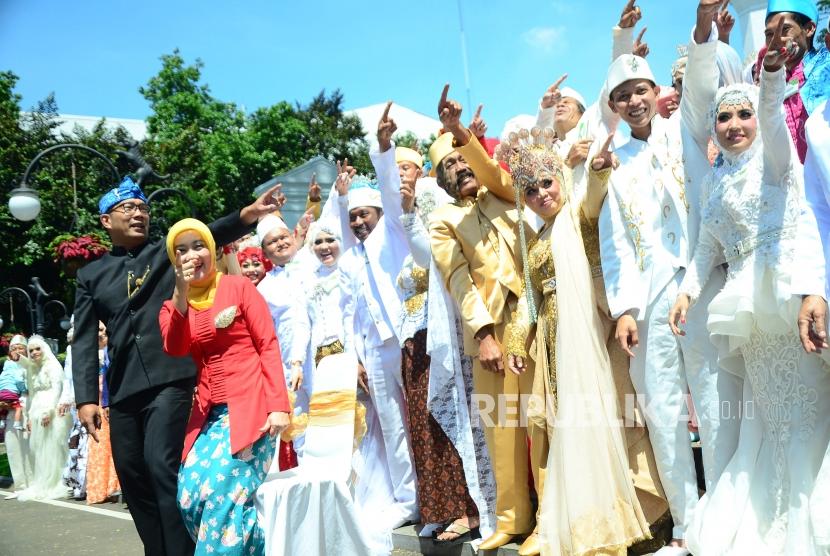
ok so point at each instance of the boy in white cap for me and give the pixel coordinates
(648, 229)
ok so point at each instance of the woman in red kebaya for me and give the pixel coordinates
(241, 402)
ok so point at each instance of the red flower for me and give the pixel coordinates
(87, 247)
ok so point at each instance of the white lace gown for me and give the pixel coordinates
(47, 444)
(754, 217)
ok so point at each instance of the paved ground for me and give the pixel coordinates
(66, 528)
(69, 528)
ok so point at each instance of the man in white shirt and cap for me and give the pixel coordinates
(283, 290)
(648, 229)
(371, 308)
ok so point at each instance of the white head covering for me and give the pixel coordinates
(327, 226)
(318, 227)
(735, 95)
(625, 68)
(48, 355)
(364, 193)
(514, 124)
(572, 93)
(268, 224)
(18, 340)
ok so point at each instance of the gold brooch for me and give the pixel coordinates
(133, 283)
(225, 317)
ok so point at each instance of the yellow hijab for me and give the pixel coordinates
(201, 293)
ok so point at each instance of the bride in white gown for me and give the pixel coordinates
(50, 431)
(754, 216)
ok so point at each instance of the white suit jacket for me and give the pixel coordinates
(283, 291)
(650, 220)
(372, 268)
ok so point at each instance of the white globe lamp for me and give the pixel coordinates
(24, 203)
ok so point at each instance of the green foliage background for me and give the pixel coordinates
(213, 151)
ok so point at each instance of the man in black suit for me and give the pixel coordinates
(150, 393)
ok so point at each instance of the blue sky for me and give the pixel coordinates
(94, 54)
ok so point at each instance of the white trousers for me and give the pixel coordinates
(663, 371)
(20, 459)
(383, 367)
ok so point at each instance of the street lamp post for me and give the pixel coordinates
(38, 314)
(24, 205)
(24, 201)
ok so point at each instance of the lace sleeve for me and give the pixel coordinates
(707, 252)
(417, 238)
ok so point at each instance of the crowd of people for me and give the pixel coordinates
(542, 326)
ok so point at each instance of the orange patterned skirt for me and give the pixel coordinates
(101, 480)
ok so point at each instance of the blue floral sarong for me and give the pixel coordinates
(216, 489)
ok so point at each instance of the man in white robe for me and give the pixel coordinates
(371, 308)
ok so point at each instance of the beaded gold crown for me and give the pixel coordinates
(531, 156)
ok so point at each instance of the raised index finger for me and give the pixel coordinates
(385, 116)
(640, 36)
(273, 191)
(779, 30)
(560, 80)
(630, 5)
(724, 5)
(444, 94)
(607, 145)
(478, 111)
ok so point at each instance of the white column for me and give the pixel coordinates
(751, 15)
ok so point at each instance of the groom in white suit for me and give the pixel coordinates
(371, 308)
(648, 228)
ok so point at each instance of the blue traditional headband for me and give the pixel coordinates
(127, 189)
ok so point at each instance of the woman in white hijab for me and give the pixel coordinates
(49, 430)
(324, 295)
(754, 216)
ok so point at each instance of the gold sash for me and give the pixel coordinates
(328, 409)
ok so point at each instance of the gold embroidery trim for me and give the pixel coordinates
(415, 303)
(634, 222)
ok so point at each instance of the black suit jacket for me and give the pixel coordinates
(137, 361)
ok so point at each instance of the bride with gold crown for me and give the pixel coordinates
(589, 501)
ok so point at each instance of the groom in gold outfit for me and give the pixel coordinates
(475, 243)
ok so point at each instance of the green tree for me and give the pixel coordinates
(214, 153)
(192, 136)
(333, 134)
(69, 183)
